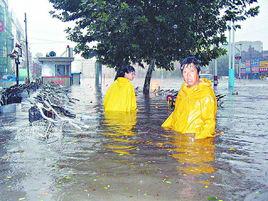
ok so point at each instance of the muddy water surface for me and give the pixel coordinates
(130, 157)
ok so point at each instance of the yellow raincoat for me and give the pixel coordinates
(195, 111)
(120, 96)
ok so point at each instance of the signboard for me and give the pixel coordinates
(2, 26)
(264, 64)
(247, 63)
(255, 69)
(243, 70)
(237, 57)
(248, 70)
(262, 70)
(255, 62)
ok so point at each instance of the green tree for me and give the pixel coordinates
(154, 32)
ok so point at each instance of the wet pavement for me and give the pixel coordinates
(130, 157)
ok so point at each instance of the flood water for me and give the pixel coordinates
(130, 157)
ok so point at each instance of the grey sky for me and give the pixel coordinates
(46, 34)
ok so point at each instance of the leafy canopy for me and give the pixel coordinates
(119, 32)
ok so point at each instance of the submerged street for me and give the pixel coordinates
(130, 157)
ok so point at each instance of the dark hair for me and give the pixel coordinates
(191, 60)
(122, 70)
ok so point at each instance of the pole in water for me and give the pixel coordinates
(215, 77)
(231, 57)
(27, 49)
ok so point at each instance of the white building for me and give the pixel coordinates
(246, 45)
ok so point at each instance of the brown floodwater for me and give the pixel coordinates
(129, 157)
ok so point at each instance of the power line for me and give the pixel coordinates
(49, 40)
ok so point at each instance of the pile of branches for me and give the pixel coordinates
(53, 104)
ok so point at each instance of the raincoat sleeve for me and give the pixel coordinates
(208, 115)
(168, 122)
(108, 95)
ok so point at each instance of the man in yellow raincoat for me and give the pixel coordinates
(196, 104)
(120, 97)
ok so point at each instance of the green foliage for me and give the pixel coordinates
(119, 32)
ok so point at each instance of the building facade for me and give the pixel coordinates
(57, 69)
(244, 46)
(12, 36)
(6, 39)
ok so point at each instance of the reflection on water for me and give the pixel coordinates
(194, 156)
(130, 157)
(119, 131)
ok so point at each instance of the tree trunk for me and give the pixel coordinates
(147, 81)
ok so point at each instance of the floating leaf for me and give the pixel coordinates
(232, 149)
(212, 198)
(107, 187)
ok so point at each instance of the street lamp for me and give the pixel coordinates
(16, 54)
(239, 58)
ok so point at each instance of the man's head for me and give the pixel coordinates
(190, 68)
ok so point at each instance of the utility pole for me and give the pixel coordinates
(240, 61)
(215, 77)
(27, 50)
(98, 74)
(231, 47)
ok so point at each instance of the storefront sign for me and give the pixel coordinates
(264, 64)
(262, 70)
(2, 26)
(255, 69)
(243, 70)
(247, 63)
(255, 62)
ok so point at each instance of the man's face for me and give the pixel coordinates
(190, 75)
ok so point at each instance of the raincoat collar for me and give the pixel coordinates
(122, 80)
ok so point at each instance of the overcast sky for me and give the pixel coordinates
(47, 34)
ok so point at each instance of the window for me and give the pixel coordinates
(60, 70)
